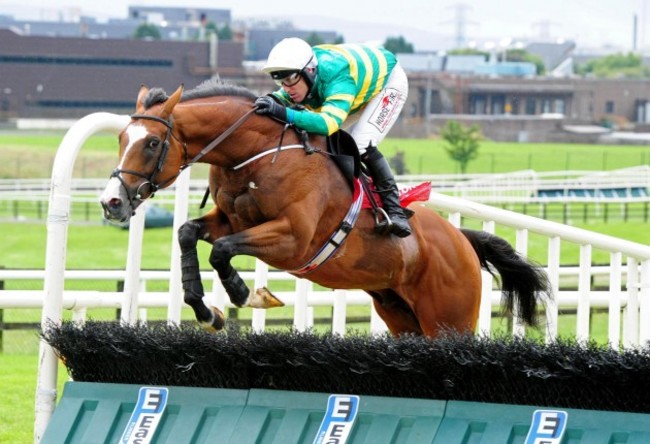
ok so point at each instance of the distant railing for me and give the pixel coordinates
(527, 186)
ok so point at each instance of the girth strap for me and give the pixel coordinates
(339, 236)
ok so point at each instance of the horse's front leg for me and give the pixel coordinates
(238, 291)
(272, 236)
(188, 236)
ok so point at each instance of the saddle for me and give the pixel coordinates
(343, 150)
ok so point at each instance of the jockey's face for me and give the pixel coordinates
(297, 91)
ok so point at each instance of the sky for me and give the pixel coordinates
(429, 25)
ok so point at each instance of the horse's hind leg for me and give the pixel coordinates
(188, 236)
(396, 313)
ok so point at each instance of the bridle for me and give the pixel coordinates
(149, 179)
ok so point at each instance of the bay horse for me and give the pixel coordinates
(279, 202)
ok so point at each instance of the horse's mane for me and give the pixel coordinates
(209, 88)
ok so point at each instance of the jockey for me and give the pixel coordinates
(361, 87)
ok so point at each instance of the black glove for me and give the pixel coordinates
(267, 106)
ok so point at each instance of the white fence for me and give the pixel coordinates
(628, 271)
(527, 186)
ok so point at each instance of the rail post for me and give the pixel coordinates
(58, 218)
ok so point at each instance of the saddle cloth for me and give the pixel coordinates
(407, 195)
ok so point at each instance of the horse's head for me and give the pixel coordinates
(150, 155)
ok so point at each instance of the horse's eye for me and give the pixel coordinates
(153, 144)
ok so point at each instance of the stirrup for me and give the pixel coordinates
(383, 223)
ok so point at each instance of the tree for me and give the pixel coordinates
(224, 33)
(628, 65)
(469, 51)
(462, 142)
(521, 55)
(211, 28)
(147, 31)
(314, 39)
(398, 163)
(398, 45)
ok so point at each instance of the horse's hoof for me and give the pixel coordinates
(263, 298)
(217, 322)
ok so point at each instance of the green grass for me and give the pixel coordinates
(26, 155)
(428, 156)
(104, 247)
(91, 247)
(17, 397)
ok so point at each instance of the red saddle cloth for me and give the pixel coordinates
(407, 195)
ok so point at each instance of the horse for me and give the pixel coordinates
(279, 197)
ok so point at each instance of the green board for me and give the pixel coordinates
(100, 413)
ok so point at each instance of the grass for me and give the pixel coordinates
(428, 156)
(104, 247)
(17, 397)
(28, 155)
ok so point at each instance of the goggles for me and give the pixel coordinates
(286, 78)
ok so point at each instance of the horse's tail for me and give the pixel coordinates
(522, 281)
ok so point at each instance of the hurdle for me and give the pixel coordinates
(170, 384)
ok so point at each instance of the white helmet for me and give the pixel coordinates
(292, 55)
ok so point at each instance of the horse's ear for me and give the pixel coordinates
(171, 102)
(139, 104)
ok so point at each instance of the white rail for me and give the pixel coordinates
(635, 297)
(55, 253)
(528, 186)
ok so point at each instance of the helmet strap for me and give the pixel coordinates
(308, 78)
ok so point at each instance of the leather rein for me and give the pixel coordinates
(149, 179)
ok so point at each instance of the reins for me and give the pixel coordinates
(149, 180)
(209, 147)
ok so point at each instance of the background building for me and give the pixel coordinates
(71, 77)
(70, 69)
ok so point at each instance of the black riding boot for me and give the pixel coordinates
(384, 181)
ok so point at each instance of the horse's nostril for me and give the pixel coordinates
(111, 207)
(114, 203)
